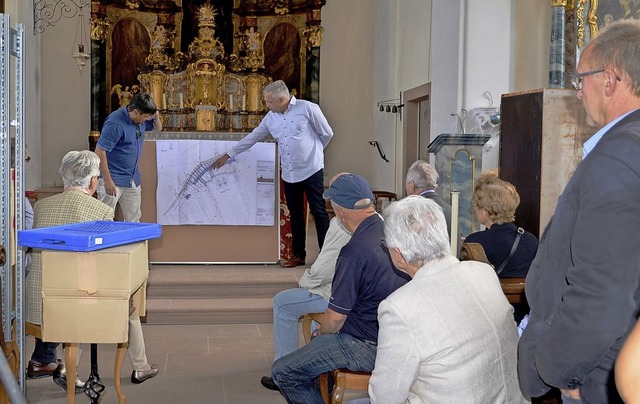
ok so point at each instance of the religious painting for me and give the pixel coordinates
(609, 11)
(593, 15)
(131, 42)
(282, 55)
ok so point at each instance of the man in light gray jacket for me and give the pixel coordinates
(447, 336)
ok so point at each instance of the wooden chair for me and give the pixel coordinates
(513, 289)
(343, 379)
(377, 195)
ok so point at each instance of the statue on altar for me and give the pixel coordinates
(125, 96)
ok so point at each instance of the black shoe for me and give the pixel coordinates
(268, 382)
(60, 378)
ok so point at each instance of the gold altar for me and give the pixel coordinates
(214, 81)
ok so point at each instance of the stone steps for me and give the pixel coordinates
(215, 294)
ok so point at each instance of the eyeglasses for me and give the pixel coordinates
(576, 79)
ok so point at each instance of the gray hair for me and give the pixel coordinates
(277, 88)
(617, 47)
(423, 175)
(416, 226)
(78, 167)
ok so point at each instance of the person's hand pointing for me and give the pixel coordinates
(220, 161)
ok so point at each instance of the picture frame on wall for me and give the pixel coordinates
(593, 15)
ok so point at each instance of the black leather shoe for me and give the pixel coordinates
(268, 382)
(60, 378)
(37, 370)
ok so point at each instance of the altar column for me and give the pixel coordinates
(99, 28)
(313, 36)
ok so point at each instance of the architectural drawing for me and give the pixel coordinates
(190, 191)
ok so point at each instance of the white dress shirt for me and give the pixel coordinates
(302, 133)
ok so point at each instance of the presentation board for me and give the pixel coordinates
(205, 243)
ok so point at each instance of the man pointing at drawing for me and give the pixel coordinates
(302, 133)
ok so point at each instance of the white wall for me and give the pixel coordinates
(66, 102)
(401, 62)
(21, 12)
(346, 76)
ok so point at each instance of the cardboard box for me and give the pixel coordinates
(86, 294)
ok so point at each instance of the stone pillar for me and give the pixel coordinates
(557, 50)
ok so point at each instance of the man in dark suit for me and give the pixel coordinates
(583, 285)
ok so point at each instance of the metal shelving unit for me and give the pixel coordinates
(12, 79)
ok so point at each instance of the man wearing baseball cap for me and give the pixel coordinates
(365, 275)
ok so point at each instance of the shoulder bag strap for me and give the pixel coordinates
(514, 247)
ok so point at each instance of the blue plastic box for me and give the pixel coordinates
(88, 236)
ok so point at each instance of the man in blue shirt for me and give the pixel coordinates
(364, 276)
(120, 148)
(302, 133)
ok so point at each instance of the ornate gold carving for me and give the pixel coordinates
(99, 28)
(282, 7)
(206, 45)
(132, 4)
(206, 16)
(313, 35)
(206, 119)
(580, 23)
(253, 85)
(125, 96)
(160, 40)
(558, 3)
(593, 19)
(251, 44)
(206, 76)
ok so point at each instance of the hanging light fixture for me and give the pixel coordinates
(81, 42)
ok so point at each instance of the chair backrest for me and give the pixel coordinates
(513, 289)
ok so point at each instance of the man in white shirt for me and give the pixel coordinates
(302, 133)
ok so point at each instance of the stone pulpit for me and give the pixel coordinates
(458, 161)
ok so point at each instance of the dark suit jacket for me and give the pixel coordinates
(446, 208)
(583, 285)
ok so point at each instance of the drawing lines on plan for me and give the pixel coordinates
(190, 191)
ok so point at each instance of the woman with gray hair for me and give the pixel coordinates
(79, 171)
(448, 335)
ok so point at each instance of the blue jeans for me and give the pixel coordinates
(312, 187)
(296, 374)
(288, 306)
(45, 352)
